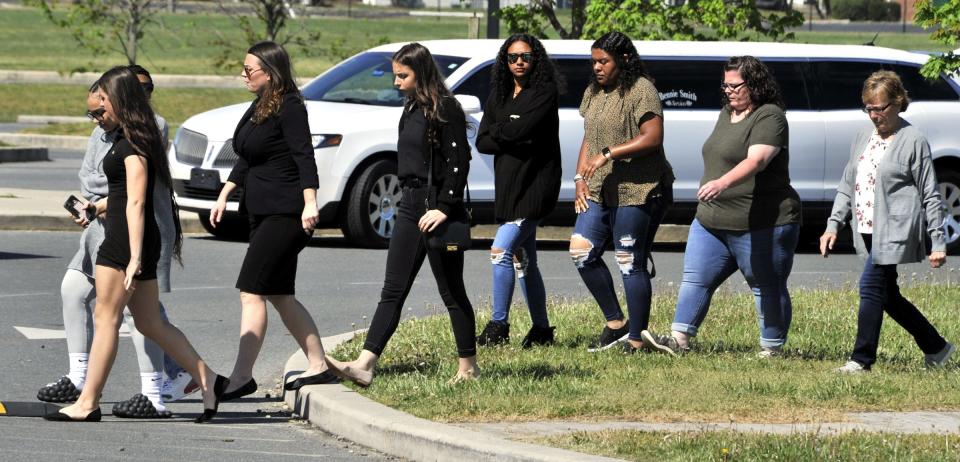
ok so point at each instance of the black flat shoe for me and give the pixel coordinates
(244, 390)
(93, 416)
(317, 379)
(218, 388)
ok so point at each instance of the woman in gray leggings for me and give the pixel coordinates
(161, 378)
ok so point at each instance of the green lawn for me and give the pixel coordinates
(721, 380)
(54, 99)
(730, 446)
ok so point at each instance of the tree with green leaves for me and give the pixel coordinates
(104, 26)
(269, 21)
(656, 20)
(944, 16)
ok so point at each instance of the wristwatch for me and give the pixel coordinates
(577, 177)
(607, 153)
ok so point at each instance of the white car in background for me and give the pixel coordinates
(354, 110)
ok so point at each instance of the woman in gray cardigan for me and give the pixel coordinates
(889, 193)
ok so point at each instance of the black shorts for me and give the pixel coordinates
(270, 266)
(114, 252)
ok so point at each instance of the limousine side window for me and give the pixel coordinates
(841, 82)
(575, 72)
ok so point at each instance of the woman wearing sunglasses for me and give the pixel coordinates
(520, 129)
(276, 169)
(887, 193)
(748, 217)
(127, 260)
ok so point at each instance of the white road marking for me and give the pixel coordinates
(36, 333)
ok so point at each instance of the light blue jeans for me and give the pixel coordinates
(514, 256)
(763, 256)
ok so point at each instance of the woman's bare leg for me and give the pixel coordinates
(253, 328)
(300, 324)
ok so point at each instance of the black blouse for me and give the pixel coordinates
(523, 135)
(275, 160)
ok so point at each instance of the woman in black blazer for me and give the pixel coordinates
(520, 128)
(432, 124)
(279, 179)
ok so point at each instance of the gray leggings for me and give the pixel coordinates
(79, 297)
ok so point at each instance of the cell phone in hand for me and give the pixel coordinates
(76, 207)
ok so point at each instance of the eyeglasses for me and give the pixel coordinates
(513, 57)
(147, 87)
(731, 86)
(96, 114)
(869, 109)
(250, 71)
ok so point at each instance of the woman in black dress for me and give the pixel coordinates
(279, 179)
(432, 124)
(126, 271)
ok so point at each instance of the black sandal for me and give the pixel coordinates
(61, 391)
(139, 407)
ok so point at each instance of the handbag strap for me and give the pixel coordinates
(466, 184)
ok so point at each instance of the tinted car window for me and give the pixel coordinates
(576, 72)
(921, 89)
(367, 79)
(841, 83)
(686, 84)
(478, 84)
(791, 76)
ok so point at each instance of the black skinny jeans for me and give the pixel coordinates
(404, 259)
(879, 292)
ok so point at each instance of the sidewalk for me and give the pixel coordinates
(339, 410)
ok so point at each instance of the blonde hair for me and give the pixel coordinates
(887, 83)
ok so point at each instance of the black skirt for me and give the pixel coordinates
(270, 266)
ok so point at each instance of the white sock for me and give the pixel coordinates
(150, 384)
(78, 369)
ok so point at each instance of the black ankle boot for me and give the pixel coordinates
(538, 336)
(495, 333)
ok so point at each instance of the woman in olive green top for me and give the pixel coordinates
(624, 186)
(748, 217)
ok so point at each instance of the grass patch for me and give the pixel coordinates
(722, 380)
(911, 42)
(174, 104)
(730, 446)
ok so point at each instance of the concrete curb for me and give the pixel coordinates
(77, 143)
(18, 154)
(50, 119)
(188, 221)
(343, 412)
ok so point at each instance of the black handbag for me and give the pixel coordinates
(453, 235)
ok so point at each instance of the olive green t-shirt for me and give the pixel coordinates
(610, 119)
(763, 201)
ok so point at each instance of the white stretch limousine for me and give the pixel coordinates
(354, 110)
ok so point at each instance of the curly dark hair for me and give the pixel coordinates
(763, 87)
(620, 47)
(543, 69)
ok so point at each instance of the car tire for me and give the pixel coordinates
(372, 205)
(949, 186)
(230, 228)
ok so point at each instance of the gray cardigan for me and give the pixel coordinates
(906, 198)
(93, 187)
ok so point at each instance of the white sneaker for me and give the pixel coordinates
(939, 359)
(851, 367)
(179, 387)
(769, 352)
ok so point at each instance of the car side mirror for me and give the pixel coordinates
(469, 103)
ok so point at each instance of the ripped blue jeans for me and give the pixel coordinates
(631, 229)
(514, 256)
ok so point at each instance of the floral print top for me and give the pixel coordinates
(866, 182)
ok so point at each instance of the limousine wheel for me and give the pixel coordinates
(950, 194)
(372, 205)
(231, 227)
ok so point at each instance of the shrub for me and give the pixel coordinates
(866, 10)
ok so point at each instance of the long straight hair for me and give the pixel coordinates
(429, 88)
(139, 125)
(276, 63)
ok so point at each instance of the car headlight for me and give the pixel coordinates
(325, 141)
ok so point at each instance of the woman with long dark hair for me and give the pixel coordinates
(748, 217)
(432, 126)
(520, 128)
(279, 179)
(624, 186)
(126, 270)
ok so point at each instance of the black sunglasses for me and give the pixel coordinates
(96, 114)
(147, 86)
(513, 57)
